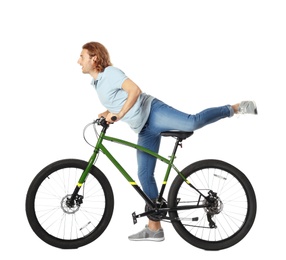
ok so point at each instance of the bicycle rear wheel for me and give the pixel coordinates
(61, 225)
(232, 213)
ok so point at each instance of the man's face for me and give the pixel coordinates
(86, 62)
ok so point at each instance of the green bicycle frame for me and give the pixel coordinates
(100, 147)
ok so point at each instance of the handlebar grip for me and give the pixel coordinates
(114, 118)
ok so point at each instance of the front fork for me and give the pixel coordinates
(78, 199)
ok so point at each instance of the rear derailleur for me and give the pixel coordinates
(214, 206)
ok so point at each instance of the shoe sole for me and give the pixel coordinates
(148, 239)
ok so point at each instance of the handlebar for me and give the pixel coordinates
(102, 121)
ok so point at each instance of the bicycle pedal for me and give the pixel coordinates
(134, 218)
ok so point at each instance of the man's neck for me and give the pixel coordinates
(94, 74)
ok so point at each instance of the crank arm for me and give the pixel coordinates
(147, 213)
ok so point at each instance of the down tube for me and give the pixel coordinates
(126, 175)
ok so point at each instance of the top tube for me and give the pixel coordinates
(135, 146)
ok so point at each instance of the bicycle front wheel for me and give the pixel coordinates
(65, 226)
(225, 221)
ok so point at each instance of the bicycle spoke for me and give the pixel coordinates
(233, 198)
(56, 218)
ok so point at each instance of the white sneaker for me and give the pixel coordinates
(148, 235)
(247, 107)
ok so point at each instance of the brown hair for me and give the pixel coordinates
(98, 50)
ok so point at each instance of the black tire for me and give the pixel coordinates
(234, 215)
(61, 226)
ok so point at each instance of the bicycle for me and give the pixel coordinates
(211, 204)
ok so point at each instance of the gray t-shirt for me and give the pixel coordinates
(108, 85)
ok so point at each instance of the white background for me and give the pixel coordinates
(190, 54)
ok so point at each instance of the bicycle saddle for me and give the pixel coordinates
(179, 134)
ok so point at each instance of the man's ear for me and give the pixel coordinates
(94, 58)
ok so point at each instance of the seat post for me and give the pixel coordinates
(178, 143)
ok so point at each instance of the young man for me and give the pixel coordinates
(147, 116)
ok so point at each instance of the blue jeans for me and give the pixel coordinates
(165, 118)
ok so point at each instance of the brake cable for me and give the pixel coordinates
(94, 128)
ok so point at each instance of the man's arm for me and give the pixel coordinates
(133, 92)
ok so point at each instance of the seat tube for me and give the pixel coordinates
(170, 165)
